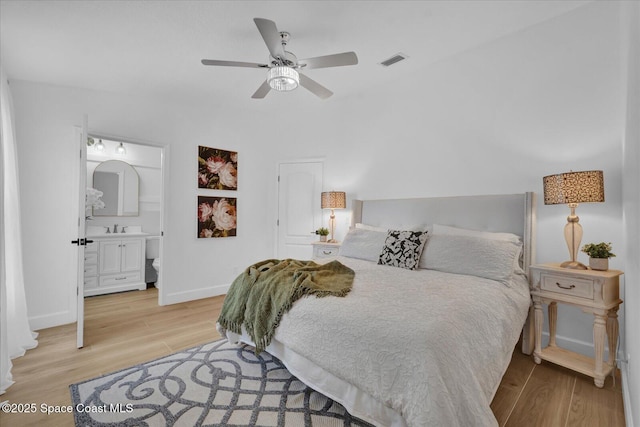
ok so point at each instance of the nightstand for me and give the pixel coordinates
(324, 251)
(594, 292)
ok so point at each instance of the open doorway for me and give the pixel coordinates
(125, 221)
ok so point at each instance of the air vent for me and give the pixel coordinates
(394, 59)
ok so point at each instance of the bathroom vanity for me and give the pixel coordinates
(114, 263)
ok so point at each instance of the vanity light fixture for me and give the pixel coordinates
(99, 146)
(573, 188)
(333, 200)
(121, 150)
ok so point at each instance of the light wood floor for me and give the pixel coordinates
(128, 328)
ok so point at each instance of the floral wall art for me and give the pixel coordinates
(217, 169)
(217, 216)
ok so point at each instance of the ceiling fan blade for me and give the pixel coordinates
(336, 60)
(271, 36)
(233, 63)
(314, 87)
(262, 91)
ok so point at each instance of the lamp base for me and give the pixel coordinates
(332, 241)
(575, 265)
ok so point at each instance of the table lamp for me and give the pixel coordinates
(573, 188)
(333, 200)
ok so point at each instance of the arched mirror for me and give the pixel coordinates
(119, 184)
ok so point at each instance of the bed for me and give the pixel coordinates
(423, 347)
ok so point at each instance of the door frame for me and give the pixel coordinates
(164, 173)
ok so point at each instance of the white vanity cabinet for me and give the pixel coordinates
(120, 265)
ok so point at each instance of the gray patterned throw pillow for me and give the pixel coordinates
(403, 249)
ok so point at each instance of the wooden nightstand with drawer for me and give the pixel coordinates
(324, 251)
(595, 292)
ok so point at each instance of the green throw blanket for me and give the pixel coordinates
(266, 290)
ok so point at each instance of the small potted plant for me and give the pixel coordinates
(323, 233)
(599, 254)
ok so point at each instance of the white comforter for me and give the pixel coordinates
(433, 346)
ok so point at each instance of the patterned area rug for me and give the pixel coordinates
(216, 384)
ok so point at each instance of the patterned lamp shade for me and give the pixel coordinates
(333, 200)
(574, 187)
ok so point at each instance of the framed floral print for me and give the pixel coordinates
(217, 169)
(217, 216)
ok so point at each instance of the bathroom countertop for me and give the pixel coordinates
(98, 232)
(117, 235)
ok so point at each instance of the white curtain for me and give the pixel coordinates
(16, 335)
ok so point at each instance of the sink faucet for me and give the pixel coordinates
(115, 228)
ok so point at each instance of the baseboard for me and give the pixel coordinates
(64, 317)
(212, 291)
(626, 396)
(50, 320)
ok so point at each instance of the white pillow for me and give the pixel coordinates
(412, 227)
(363, 244)
(454, 231)
(361, 226)
(471, 255)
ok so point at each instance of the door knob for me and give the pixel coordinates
(81, 242)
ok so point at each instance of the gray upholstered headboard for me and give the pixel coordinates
(513, 213)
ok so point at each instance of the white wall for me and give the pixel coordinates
(494, 119)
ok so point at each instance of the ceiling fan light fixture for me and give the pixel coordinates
(283, 79)
(283, 66)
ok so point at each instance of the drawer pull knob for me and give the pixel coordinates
(326, 252)
(120, 278)
(565, 287)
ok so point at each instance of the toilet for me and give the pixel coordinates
(153, 258)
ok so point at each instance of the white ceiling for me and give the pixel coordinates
(154, 48)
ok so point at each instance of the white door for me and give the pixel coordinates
(81, 136)
(299, 212)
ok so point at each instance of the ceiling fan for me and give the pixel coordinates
(284, 67)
